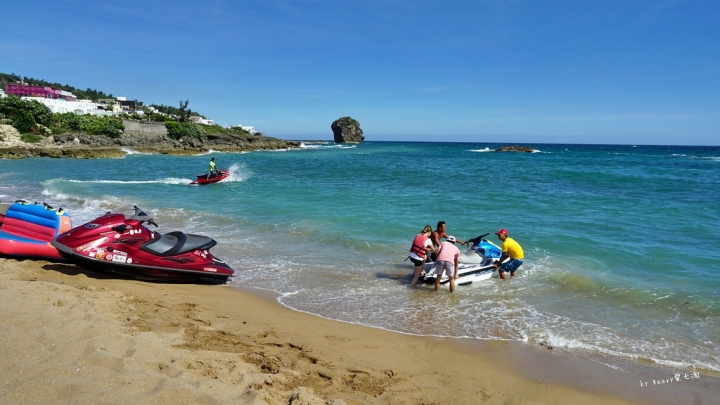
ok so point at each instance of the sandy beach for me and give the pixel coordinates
(70, 336)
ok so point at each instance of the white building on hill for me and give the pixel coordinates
(246, 128)
(201, 120)
(61, 106)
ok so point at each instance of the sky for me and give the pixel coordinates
(537, 71)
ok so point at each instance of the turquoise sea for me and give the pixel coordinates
(621, 242)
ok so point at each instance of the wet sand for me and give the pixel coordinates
(70, 336)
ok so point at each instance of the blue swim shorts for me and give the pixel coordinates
(511, 265)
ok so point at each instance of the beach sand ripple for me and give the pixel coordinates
(75, 337)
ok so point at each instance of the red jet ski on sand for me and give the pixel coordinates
(124, 246)
(213, 178)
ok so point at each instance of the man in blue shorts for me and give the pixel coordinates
(510, 250)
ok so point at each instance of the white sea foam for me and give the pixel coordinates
(168, 180)
(129, 151)
(238, 173)
(326, 145)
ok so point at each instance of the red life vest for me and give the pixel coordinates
(418, 245)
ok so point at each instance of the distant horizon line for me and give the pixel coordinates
(506, 143)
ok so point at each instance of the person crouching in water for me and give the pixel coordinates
(510, 250)
(418, 252)
(447, 262)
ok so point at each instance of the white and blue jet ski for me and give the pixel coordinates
(476, 264)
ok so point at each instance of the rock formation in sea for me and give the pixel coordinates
(515, 149)
(346, 129)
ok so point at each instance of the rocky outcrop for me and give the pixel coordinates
(146, 139)
(346, 129)
(144, 128)
(20, 152)
(515, 149)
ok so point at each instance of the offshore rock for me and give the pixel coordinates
(515, 149)
(346, 129)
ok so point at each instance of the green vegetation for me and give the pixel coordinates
(89, 94)
(31, 117)
(181, 113)
(217, 129)
(12, 106)
(26, 116)
(68, 122)
(6, 79)
(184, 114)
(31, 138)
(347, 122)
(177, 112)
(148, 116)
(24, 121)
(35, 120)
(177, 130)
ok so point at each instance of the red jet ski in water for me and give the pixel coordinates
(213, 178)
(124, 246)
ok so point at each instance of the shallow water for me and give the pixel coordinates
(620, 241)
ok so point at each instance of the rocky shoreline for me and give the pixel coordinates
(151, 139)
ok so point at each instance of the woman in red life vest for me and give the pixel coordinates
(418, 252)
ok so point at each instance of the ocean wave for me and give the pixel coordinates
(326, 145)
(168, 180)
(238, 173)
(129, 151)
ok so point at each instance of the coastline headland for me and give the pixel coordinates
(145, 137)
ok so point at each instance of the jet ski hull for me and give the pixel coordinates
(145, 273)
(125, 247)
(204, 179)
(477, 264)
(467, 274)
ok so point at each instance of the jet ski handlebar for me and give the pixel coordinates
(141, 216)
(476, 241)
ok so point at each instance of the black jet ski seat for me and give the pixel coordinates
(175, 243)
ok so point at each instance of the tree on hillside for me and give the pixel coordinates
(89, 94)
(6, 79)
(174, 111)
(23, 121)
(183, 115)
(12, 106)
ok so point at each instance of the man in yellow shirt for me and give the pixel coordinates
(510, 250)
(212, 170)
